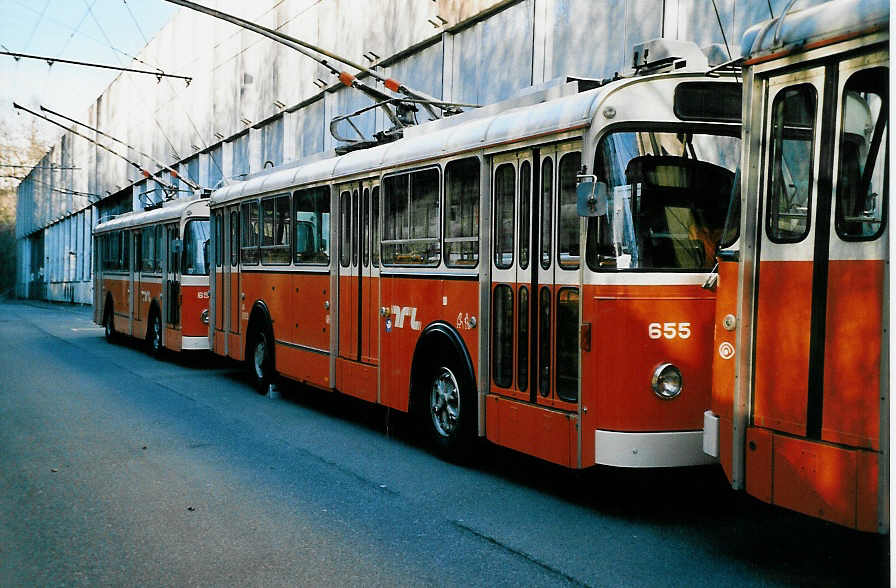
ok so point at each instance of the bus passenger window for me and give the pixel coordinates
(525, 205)
(411, 218)
(375, 205)
(234, 237)
(345, 228)
(157, 247)
(275, 231)
(862, 186)
(462, 213)
(522, 340)
(249, 246)
(567, 215)
(567, 383)
(791, 161)
(365, 228)
(505, 193)
(502, 342)
(312, 226)
(547, 201)
(544, 341)
(219, 239)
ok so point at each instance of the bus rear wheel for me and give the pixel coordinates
(154, 335)
(449, 410)
(109, 323)
(260, 359)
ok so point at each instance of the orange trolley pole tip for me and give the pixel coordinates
(346, 78)
(145, 173)
(393, 85)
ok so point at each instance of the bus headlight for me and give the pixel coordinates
(203, 316)
(666, 381)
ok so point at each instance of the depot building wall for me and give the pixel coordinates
(254, 103)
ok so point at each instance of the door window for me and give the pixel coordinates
(862, 186)
(791, 163)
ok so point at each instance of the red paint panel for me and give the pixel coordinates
(868, 491)
(220, 337)
(759, 451)
(531, 429)
(851, 414)
(304, 366)
(356, 379)
(173, 339)
(430, 300)
(815, 479)
(723, 363)
(237, 347)
(348, 317)
(194, 299)
(783, 320)
(725, 445)
(370, 320)
(617, 372)
(310, 315)
(219, 300)
(236, 303)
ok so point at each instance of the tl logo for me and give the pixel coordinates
(400, 312)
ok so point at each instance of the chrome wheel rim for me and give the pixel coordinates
(444, 402)
(108, 325)
(156, 334)
(258, 356)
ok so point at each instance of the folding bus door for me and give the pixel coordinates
(535, 303)
(821, 294)
(354, 375)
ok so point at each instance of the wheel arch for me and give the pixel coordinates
(435, 336)
(259, 315)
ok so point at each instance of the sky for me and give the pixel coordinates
(108, 32)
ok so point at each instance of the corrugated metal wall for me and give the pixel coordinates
(253, 100)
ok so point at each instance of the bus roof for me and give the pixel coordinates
(194, 207)
(499, 126)
(828, 21)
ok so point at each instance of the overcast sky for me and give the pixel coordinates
(99, 31)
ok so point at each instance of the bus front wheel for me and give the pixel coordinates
(260, 359)
(449, 409)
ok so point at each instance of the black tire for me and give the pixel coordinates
(109, 322)
(154, 335)
(260, 359)
(448, 407)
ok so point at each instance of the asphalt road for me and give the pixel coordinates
(119, 469)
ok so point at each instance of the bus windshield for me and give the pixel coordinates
(196, 235)
(668, 197)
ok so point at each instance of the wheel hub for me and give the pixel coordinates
(444, 402)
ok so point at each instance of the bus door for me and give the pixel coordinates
(512, 275)
(231, 290)
(369, 271)
(138, 274)
(173, 247)
(535, 301)
(557, 256)
(355, 339)
(821, 294)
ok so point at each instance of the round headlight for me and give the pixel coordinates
(203, 316)
(666, 381)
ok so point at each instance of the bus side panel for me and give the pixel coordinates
(219, 302)
(173, 339)
(312, 318)
(723, 351)
(782, 354)
(547, 434)
(815, 479)
(415, 303)
(617, 373)
(149, 291)
(194, 301)
(304, 366)
(118, 287)
(851, 413)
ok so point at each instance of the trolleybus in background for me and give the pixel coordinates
(800, 403)
(447, 274)
(151, 275)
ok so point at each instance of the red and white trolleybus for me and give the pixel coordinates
(800, 405)
(448, 274)
(151, 275)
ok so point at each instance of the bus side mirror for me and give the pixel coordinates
(591, 197)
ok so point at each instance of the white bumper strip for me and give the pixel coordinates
(650, 450)
(194, 343)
